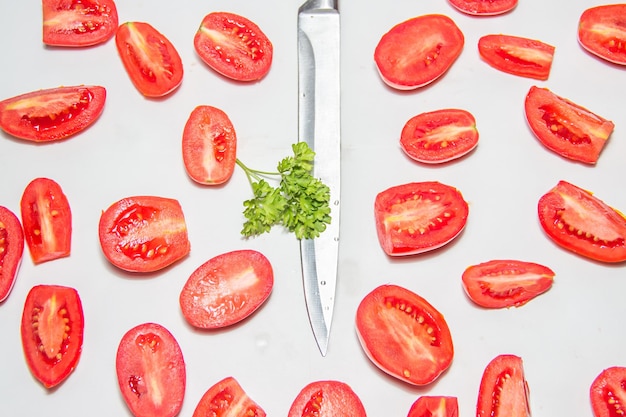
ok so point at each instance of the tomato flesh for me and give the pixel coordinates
(608, 392)
(227, 398)
(503, 388)
(434, 406)
(11, 250)
(602, 31)
(484, 7)
(327, 398)
(516, 55)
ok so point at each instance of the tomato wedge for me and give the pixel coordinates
(11, 250)
(327, 398)
(439, 136)
(484, 7)
(418, 217)
(150, 59)
(503, 388)
(516, 55)
(506, 283)
(227, 398)
(144, 233)
(404, 335)
(416, 52)
(580, 222)
(233, 46)
(52, 332)
(151, 371)
(209, 146)
(566, 128)
(52, 114)
(608, 392)
(435, 406)
(602, 31)
(47, 220)
(77, 23)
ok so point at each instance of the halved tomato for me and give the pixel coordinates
(516, 55)
(144, 233)
(209, 146)
(439, 136)
(226, 289)
(418, 217)
(435, 406)
(151, 371)
(234, 46)
(327, 398)
(566, 128)
(11, 250)
(608, 392)
(506, 283)
(47, 220)
(77, 23)
(484, 7)
(53, 113)
(150, 59)
(503, 389)
(602, 31)
(416, 52)
(580, 222)
(227, 398)
(404, 335)
(52, 332)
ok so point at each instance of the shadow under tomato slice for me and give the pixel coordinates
(327, 398)
(227, 398)
(11, 250)
(608, 392)
(503, 388)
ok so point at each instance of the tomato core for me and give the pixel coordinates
(51, 326)
(54, 120)
(130, 219)
(420, 317)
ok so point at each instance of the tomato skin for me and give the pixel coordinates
(439, 136)
(151, 371)
(11, 250)
(484, 7)
(602, 32)
(227, 398)
(74, 23)
(396, 46)
(608, 393)
(566, 128)
(52, 114)
(516, 55)
(426, 348)
(503, 388)
(327, 399)
(150, 59)
(144, 233)
(52, 332)
(435, 406)
(234, 46)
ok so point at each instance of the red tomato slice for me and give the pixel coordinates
(602, 31)
(77, 23)
(144, 233)
(151, 371)
(234, 46)
(506, 283)
(581, 223)
(518, 56)
(608, 392)
(11, 250)
(439, 136)
(418, 51)
(209, 146)
(150, 59)
(404, 335)
(435, 406)
(52, 332)
(226, 289)
(327, 399)
(503, 389)
(484, 7)
(47, 220)
(566, 128)
(52, 114)
(418, 217)
(227, 399)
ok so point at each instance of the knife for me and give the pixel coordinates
(319, 127)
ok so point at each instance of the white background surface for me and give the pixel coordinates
(565, 337)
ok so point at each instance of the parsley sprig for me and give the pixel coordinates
(300, 202)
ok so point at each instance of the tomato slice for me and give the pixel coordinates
(418, 217)
(434, 406)
(416, 52)
(582, 223)
(11, 250)
(233, 46)
(326, 399)
(516, 55)
(608, 392)
(602, 31)
(506, 283)
(209, 146)
(77, 23)
(439, 136)
(52, 332)
(150, 59)
(566, 128)
(144, 233)
(47, 220)
(151, 371)
(503, 388)
(484, 7)
(227, 398)
(52, 114)
(404, 335)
